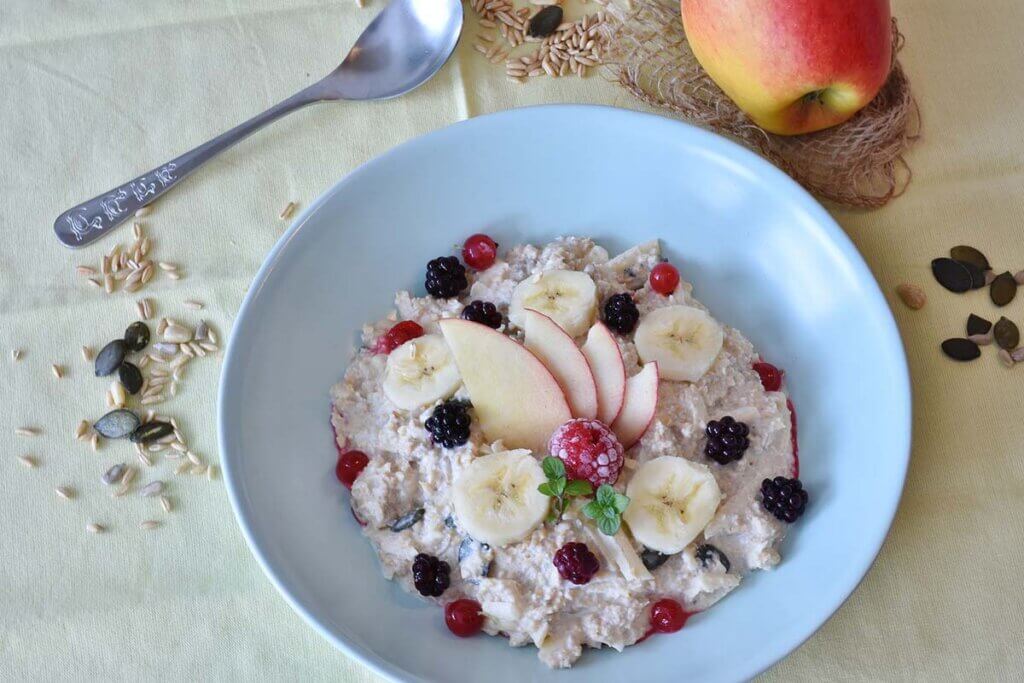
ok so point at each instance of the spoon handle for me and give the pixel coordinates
(90, 220)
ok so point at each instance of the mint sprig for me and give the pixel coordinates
(560, 488)
(606, 509)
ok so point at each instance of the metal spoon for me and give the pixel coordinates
(406, 44)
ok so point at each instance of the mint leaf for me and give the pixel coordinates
(620, 503)
(558, 486)
(593, 509)
(609, 526)
(553, 467)
(546, 489)
(578, 487)
(605, 495)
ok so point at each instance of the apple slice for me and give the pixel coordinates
(559, 353)
(515, 398)
(638, 407)
(602, 353)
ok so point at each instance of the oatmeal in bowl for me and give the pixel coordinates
(564, 448)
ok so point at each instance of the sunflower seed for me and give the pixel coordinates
(153, 488)
(94, 528)
(1006, 358)
(977, 325)
(961, 349)
(970, 255)
(27, 460)
(1006, 334)
(26, 431)
(151, 431)
(981, 339)
(114, 474)
(117, 424)
(65, 492)
(166, 348)
(149, 525)
(1003, 289)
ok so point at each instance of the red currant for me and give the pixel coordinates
(771, 376)
(668, 616)
(664, 278)
(463, 617)
(479, 251)
(350, 464)
(398, 335)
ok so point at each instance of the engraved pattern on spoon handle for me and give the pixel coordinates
(90, 220)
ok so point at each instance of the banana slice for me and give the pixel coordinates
(684, 341)
(568, 297)
(420, 371)
(496, 498)
(671, 501)
(632, 266)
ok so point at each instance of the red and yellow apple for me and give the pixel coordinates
(794, 66)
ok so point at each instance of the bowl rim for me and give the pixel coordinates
(709, 141)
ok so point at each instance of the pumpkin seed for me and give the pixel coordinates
(114, 474)
(977, 325)
(952, 275)
(117, 424)
(1006, 334)
(136, 337)
(407, 520)
(130, 376)
(970, 255)
(110, 358)
(977, 274)
(652, 559)
(151, 431)
(545, 22)
(1003, 289)
(961, 349)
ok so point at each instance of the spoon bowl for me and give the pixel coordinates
(402, 48)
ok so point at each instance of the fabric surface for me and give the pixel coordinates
(96, 91)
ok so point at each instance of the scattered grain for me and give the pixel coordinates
(82, 429)
(88, 271)
(65, 492)
(149, 525)
(27, 431)
(57, 371)
(27, 460)
(193, 304)
(165, 503)
(287, 211)
(94, 528)
(94, 442)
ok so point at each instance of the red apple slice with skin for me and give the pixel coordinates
(515, 397)
(559, 353)
(639, 406)
(602, 353)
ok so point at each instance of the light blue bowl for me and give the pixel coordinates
(762, 254)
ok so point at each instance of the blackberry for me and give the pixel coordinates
(620, 313)
(707, 554)
(446, 277)
(576, 563)
(449, 424)
(784, 498)
(483, 312)
(430, 575)
(727, 440)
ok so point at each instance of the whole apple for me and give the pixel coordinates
(794, 66)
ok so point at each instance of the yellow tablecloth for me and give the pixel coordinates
(94, 91)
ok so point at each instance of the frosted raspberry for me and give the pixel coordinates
(589, 450)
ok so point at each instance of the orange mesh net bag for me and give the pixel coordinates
(858, 163)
